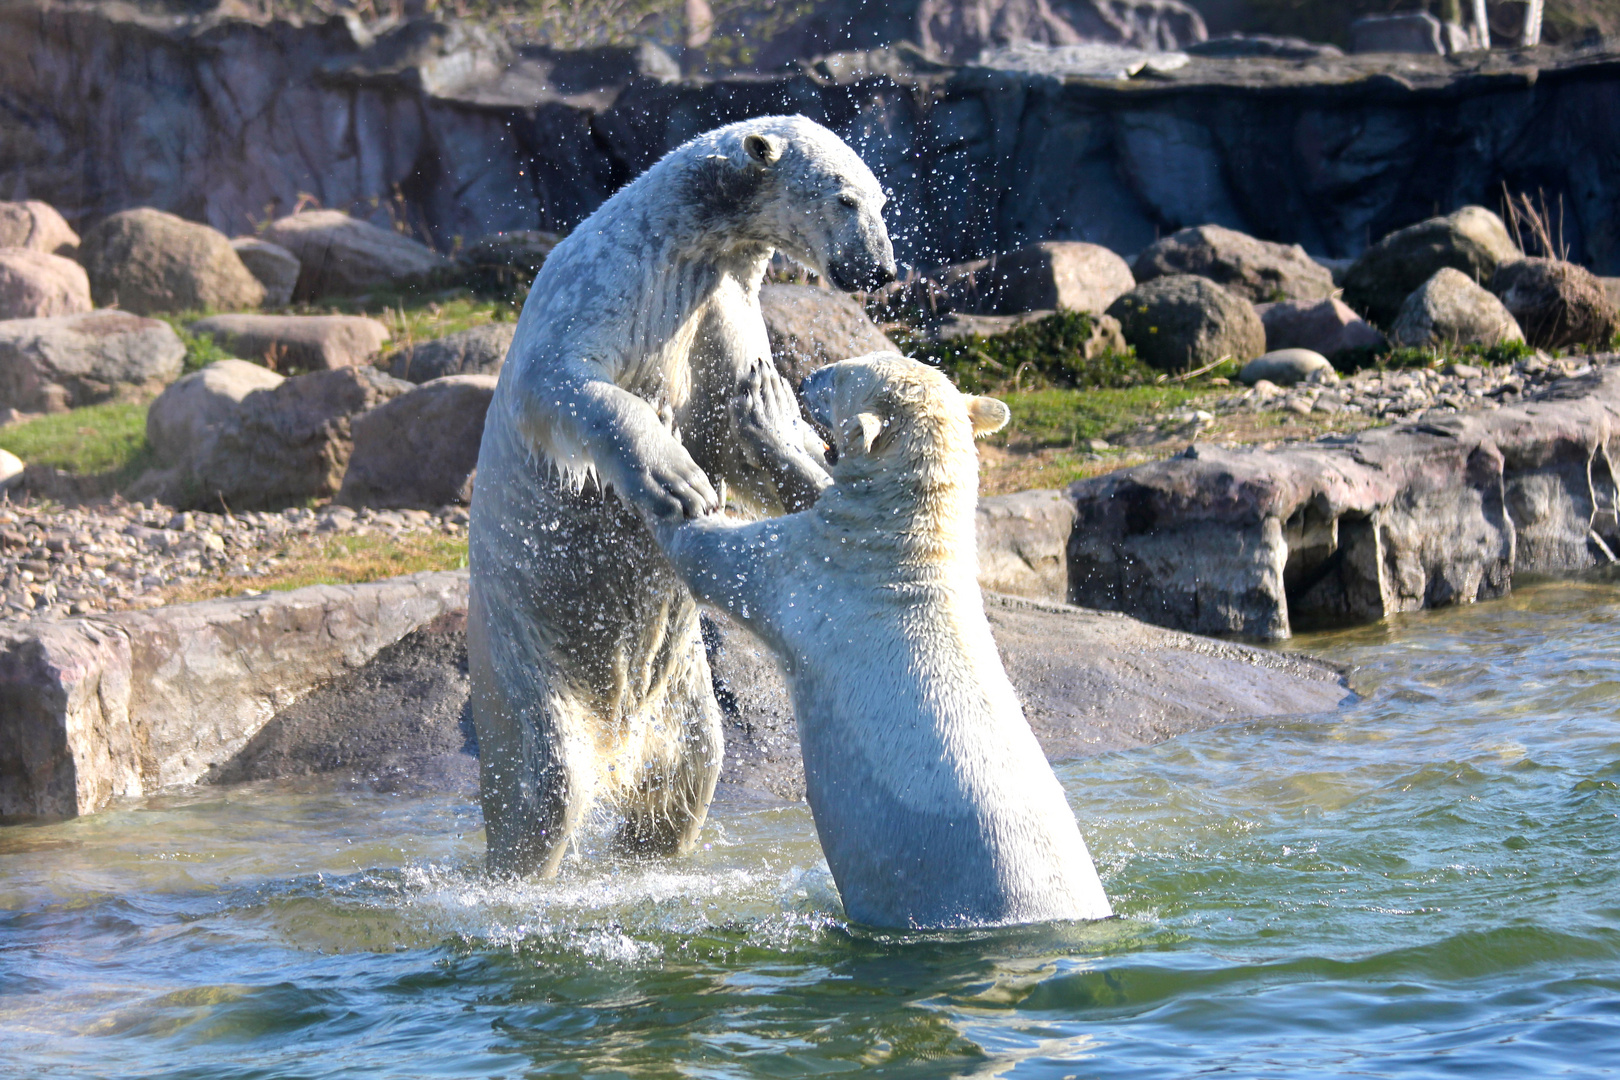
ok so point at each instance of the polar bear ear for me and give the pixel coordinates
(987, 415)
(862, 430)
(763, 149)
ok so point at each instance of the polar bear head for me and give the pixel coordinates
(788, 183)
(889, 413)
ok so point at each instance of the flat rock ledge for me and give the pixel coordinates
(370, 681)
(1351, 529)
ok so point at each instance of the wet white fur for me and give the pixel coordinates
(590, 683)
(934, 803)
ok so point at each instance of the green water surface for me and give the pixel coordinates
(1421, 884)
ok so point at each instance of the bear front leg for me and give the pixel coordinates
(774, 437)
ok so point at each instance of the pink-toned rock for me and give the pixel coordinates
(1324, 326)
(37, 285)
(293, 343)
(38, 227)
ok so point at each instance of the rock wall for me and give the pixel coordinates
(456, 134)
(1351, 529)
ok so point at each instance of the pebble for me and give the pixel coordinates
(1394, 395)
(57, 561)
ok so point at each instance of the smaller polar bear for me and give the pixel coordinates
(934, 803)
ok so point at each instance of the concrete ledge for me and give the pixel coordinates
(128, 704)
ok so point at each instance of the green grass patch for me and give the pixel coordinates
(1047, 353)
(1404, 359)
(1048, 418)
(108, 438)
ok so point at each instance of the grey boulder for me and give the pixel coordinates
(1326, 326)
(1449, 309)
(288, 443)
(275, 267)
(147, 261)
(182, 423)
(37, 226)
(1286, 367)
(1557, 304)
(343, 255)
(298, 343)
(1181, 322)
(810, 328)
(478, 350)
(1042, 277)
(1473, 240)
(59, 363)
(1406, 32)
(1258, 270)
(37, 285)
(419, 450)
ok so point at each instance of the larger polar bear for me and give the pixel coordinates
(934, 803)
(619, 398)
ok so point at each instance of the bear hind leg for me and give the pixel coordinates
(665, 813)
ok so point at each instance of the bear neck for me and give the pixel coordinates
(916, 506)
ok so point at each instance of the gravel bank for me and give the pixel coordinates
(57, 561)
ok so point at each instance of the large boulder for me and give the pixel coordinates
(478, 350)
(507, 261)
(343, 255)
(297, 343)
(1557, 304)
(147, 261)
(1181, 322)
(1041, 277)
(55, 364)
(419, 450)
(288, 443)
(38, 227)
(1449, 309)
(1257, 270)
(37, 285)
(1473, 240)
(182, 423)
(1326, 326)
(275, 267)
(810, 328)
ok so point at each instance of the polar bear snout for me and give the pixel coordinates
(863, 271)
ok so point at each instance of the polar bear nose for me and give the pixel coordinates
(815, 391)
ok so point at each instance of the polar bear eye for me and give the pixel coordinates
(849, 201)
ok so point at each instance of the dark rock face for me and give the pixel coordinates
(1557, 304)
(1181, 322)
(1330, 153)
(1353, 529)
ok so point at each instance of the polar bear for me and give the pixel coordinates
(616, 400)
(934, 803)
